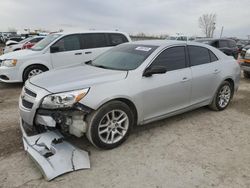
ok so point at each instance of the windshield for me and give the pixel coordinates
(124, 57)
(45, 42)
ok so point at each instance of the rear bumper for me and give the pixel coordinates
(52, 154)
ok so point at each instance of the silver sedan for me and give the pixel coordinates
(131, 84)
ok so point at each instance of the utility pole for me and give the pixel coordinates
(213, 28)
(221, 31)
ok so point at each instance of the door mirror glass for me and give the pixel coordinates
(54, 49)
(154, 70)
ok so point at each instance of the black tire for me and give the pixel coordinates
(246, 74)
(97, 117)
(215, 105)
(28, 70)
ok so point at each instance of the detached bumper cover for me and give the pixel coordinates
(53, 155)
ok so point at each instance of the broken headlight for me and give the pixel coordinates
(63, 100)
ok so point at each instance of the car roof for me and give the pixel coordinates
(167, 43)
(90, 31)
(213, 39)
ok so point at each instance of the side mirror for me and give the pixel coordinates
(54, 49)
(154, 70)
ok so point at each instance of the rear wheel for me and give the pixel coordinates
(222, 97)
(33, 70)
(110, 125)
(246, 74)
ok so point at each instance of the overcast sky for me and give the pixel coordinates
(132, 16)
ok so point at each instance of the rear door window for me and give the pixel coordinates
(93, 40)
(172, 58)
(198, 55)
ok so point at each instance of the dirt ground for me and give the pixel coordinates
(197, 149)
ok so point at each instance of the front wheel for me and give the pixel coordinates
(33, 70)
(222, 97)
(110, 125)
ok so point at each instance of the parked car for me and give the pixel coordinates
(244, 60)
(241, 44)
(55, 51)
(24, 44)
(131, 84)
(13, 40)
(228, 46)
(180, 38)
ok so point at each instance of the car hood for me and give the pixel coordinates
(78, 77)
(20, 54)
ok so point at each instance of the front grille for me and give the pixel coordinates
(31, 93)
(27, 104)
(28, 98)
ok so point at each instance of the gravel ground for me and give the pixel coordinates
(201, 148)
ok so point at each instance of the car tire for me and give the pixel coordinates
(246, 74)
(110, 125)
(33, 70)
(222, 97)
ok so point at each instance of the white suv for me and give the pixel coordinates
(55, 51)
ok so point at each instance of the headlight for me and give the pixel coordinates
(9, 63)
(64, 100)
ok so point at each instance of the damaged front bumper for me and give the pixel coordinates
(42, 139)
(53, 155)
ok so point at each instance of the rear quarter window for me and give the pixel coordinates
(213, 57)
(115, 39)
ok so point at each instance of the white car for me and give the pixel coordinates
(180, 38)
(13, 40)
(55, 51)
(22, 44)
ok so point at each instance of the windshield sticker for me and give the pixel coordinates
(142, 48)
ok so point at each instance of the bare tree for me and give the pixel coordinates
(207, 24)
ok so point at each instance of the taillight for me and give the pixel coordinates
(27, 45)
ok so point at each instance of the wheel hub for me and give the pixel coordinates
(113, 126)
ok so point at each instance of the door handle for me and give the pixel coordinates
(216, 71)
(184, 79)
(88, 52)
(78, 53)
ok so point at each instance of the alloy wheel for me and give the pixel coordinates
(113, 126)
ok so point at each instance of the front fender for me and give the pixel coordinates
(28, 63)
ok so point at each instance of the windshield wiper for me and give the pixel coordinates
(101, 66)
(88, 62)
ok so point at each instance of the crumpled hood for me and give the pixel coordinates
(20, 54)
(78, 77)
